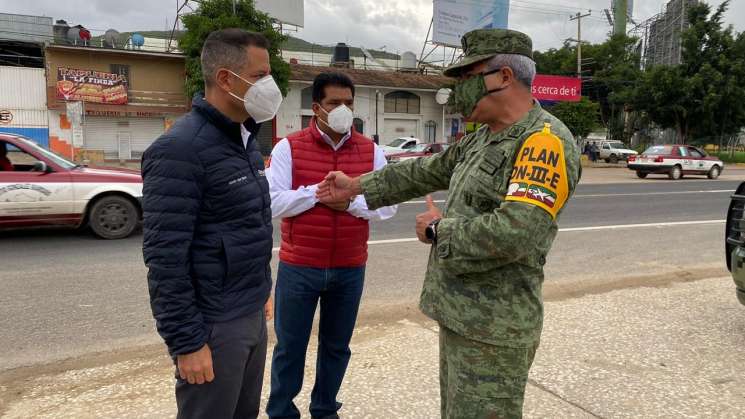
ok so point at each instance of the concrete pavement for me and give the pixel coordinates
(671, 351)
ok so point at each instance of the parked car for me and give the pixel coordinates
(614, 151)
(419, 150)
(44, 189)
(675, 161)
(734, 241)
(400, 145)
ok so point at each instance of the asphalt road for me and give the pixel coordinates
(66, 293)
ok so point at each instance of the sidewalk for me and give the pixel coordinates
(644, 352)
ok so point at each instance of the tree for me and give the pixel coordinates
(580, 117)
(702, 97)
(609, 73)
(213, 15)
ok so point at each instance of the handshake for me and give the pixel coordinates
(337, 190)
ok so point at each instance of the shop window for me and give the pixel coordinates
(122, 70)
(401, 102)
(430, 131)
(306, 98)
(359, 125)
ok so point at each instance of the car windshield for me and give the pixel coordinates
(658, 150)
(397, 142)
(419, 148)
(58, 160)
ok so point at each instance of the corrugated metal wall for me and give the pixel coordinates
(23, 95)
(25, 28)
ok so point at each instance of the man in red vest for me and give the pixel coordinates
(324, 248)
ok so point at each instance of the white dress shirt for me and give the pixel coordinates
(288, 202)
(245, 134)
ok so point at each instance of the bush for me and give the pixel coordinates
(737, 157)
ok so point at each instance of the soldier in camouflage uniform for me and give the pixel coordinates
(508, 183)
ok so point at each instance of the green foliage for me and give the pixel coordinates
(702, 97)
(609, 72)
(580, 117)
(213, 15)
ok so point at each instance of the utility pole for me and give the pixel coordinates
(620, 13)
(578, 17)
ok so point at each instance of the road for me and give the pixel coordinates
(64, 294)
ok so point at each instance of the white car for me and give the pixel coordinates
(400, 145)
(675, 161)
(613, 151)
(39, 188)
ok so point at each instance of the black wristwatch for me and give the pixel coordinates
(431, 231)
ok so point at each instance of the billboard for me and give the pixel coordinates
(557, 88)
(453, 18)
(285, 11)
(91, 86)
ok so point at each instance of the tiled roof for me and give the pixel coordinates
(377, 78)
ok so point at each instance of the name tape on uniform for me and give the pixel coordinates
(540, 174)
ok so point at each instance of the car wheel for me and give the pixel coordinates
(613, 159)
(714, 172)
(607, 160)
(113, 217)
(675, 173)
(641, 175)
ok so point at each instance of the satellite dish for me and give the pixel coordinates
(443, 95)
(110, 38)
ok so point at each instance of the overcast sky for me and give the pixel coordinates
(398, 25)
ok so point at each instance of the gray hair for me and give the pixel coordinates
(226, 48)
(522, 66)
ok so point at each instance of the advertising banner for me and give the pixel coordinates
(91, 86)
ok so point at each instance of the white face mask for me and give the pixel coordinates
(262, 99)
(340, 119)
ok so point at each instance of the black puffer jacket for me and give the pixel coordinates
(207, 226)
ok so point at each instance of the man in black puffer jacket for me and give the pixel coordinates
(208, 232)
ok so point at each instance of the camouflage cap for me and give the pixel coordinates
(482, 44)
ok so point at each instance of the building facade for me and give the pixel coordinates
(128, 98)
(387, 103)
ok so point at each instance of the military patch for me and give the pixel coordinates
(540, 175)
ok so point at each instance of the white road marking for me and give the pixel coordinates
(627, 226)
(573, 229)
(440, 201)
(652, 193)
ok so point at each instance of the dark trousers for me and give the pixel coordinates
(238, 357)
(296, 296)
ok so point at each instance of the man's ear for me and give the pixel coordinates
(223, 79)
(508, 76)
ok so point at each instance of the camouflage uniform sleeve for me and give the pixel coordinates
(504, 236)
(513, 231)
(400, 182)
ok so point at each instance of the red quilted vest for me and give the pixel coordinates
(322, 237)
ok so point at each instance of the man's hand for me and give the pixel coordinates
(338, 187)
(196, 367)
(424, 219)
(269, 309)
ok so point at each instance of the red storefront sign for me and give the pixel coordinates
(557, 88)
(91, 86)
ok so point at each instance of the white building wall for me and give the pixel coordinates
(289, 117)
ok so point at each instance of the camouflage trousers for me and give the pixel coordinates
(481, 381)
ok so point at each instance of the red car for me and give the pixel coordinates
(419, 150)
(675, 161)
(40, 188)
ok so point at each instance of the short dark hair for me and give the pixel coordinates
(330, 79)
(226, 48)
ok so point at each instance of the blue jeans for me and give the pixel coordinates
(296, 297)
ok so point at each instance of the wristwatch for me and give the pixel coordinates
(431, 231)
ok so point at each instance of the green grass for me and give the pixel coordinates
(737, 157)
